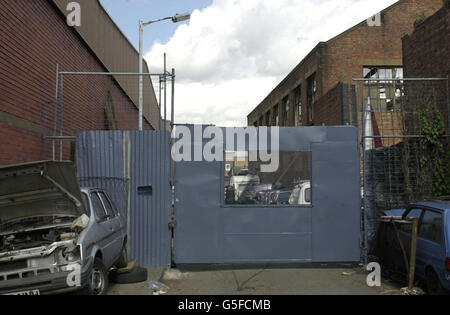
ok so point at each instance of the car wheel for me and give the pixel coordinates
(123, 260)
(136, 275)
(434, 286)
(98, 281)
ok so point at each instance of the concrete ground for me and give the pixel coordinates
(309, 281)
(154, 274)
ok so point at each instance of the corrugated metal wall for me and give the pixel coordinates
(100, 163)
(134, 168)
(150, 212)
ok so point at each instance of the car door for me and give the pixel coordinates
(430, 243)
(104, 230)
(117, 236)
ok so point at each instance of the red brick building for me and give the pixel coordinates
(320, 90)
(426, 54)
(34, 38)
(426, 50)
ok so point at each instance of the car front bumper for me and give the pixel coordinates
(51, 283)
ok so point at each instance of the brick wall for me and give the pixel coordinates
(34, 37)
(426, 55)
(324, 109)
(427, 49)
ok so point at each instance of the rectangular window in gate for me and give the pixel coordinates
(289, 185)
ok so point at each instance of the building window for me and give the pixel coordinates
(312, 97)
(261, 121)
(286, 107)
(276, 116)
(298, 106)
(384, 92)
(268, 119)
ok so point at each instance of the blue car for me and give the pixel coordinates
(433, 244)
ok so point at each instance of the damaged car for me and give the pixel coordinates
(54, 236)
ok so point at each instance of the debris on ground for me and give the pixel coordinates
(174, 274)
(413, 291)
(158, 288)
(348, 273)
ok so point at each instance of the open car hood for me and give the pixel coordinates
(39, 189)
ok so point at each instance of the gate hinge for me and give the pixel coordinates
(172, 224)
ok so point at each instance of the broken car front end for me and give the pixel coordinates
(42, 220)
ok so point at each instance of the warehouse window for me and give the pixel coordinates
(289, 185)
(385, 91)
(268, 119)
(276, 116)
(312, 97)
(286, 106)
(298, 106)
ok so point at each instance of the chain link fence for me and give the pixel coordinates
(405, 143)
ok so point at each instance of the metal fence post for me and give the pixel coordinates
(363, 139)
(56, 113)
(172, 113)
(61, 144)
(448, 106)
(412, 265)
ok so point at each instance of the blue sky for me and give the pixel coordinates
(232, 53)
(127, 13)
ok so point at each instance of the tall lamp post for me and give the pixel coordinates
(175, 19)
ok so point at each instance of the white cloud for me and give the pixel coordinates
(234, 52)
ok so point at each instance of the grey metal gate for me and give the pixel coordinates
(134, 168)
(208, 231)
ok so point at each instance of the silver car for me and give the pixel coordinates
(54, 236)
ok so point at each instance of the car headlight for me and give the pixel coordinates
(72, 255)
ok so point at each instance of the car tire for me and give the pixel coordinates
(122, 262)
(98, 281)
(433, 284)
(137, 275)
